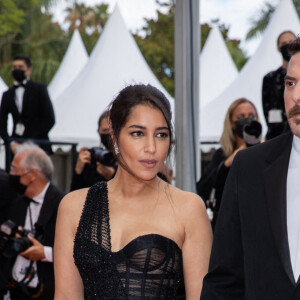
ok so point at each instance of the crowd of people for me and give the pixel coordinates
(124, 231)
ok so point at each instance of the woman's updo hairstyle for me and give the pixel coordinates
(133, 95)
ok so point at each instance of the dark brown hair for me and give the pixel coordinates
(294, 46)
(133, 95)
(25, 58)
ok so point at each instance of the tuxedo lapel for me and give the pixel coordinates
(48, 207)
(275, 177)
(19, 210)
(14, 109)
(26, 96)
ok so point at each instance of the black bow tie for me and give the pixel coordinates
(28, 200)
(19, 85)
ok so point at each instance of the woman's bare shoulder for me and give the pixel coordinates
(187, 202)
(73, 202)
(181, 196)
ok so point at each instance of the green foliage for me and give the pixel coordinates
(156, 41)
(238, 55)
(11, 18)
(260, 22)
(39, 38)
(89, 21)
(26, 27)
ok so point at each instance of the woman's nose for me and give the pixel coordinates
(150, 145)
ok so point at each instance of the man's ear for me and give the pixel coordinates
(29, 71)
(34, 174)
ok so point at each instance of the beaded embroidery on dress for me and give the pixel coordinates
(149, 267)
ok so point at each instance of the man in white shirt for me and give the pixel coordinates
(256, 248)
(30, 175)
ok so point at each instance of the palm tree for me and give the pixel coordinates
(260, 23)
(78, 16)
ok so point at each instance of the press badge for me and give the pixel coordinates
(20, 128)
(275, 116)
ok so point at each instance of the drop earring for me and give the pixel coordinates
(116, 148)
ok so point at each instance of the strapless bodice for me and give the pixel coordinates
(148, 267)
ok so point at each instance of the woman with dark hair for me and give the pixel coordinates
(134, 236)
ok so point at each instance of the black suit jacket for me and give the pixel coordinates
(47, 219)
(6, 196)
(37, 114)
(250, 255)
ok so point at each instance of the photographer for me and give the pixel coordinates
(27, 259)
(241, 130)
(89, 169)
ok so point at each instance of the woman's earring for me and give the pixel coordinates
(116, 148)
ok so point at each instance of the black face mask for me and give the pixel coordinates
(284, 52)
(16, 185)
(105, 140)
(239, 126)
(19, 75)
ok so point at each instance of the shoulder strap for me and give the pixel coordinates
(95, 216)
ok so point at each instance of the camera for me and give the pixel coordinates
(252, 133)
(101, 155)
(10, 244)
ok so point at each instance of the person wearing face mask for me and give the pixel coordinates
(241, 130)
(29, 104)
(87, 172)
(273, 88)
(31, 273)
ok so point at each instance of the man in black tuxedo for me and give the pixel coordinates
(29, 104)
(256, 248)
(32, 270)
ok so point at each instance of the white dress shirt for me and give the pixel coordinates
(21, 263)
(293, 206)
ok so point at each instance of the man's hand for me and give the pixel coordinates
(228, 162)
(84, 157)
(35, 252)
(105, 171)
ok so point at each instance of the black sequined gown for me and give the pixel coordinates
(149, 267)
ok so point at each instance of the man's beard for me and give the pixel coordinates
(294, 111)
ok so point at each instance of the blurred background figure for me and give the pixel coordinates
(30, 106)
(241, 130)
(97, 163)
(273, 88)
(27, 234)
(7, 194)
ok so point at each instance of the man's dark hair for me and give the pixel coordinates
(294, 46)
(25, 58)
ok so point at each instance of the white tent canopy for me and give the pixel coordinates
(216, 66)
(249, 82)
(115, 62)
(72, 64)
